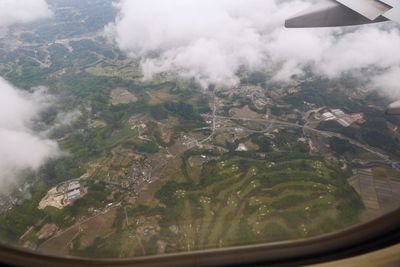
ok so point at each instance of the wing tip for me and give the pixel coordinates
(328, 14)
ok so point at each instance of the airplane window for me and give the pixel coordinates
(139, 128)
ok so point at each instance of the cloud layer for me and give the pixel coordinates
(210, 40)
(21, 148)
(22, 11)
(206, 39)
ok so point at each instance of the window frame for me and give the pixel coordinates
(372, 235)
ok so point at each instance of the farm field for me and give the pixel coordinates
(240, 201)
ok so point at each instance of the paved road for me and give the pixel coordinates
(304, 127)
(214, 118)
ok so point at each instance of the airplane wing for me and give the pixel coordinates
(331, 13)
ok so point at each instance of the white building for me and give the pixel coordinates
(73, 186)
(344, 122)
(338, 112)
(328, 116)
(241, 147)
(75, 194)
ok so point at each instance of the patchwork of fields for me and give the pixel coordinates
(240, 201)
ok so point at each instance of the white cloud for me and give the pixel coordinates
(367, 47)
(211, 39)
(62, 121)
(389, 82)
(333, 52)
(21, 148)
(296, 48)
(22, 11)
(205, 39)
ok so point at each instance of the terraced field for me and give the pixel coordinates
(240, 201)
(109, 70)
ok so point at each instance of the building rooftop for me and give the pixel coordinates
(73, 194)
(73, 186)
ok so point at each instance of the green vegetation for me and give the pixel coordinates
(15, 222)
(203, 197)
(242, 201)
(374, 132)
(319, 92)
(340, 146)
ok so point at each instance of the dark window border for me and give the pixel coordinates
(370, 236)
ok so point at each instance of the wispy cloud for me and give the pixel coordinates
(21, 148)
(211, 39)
(22, 11)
